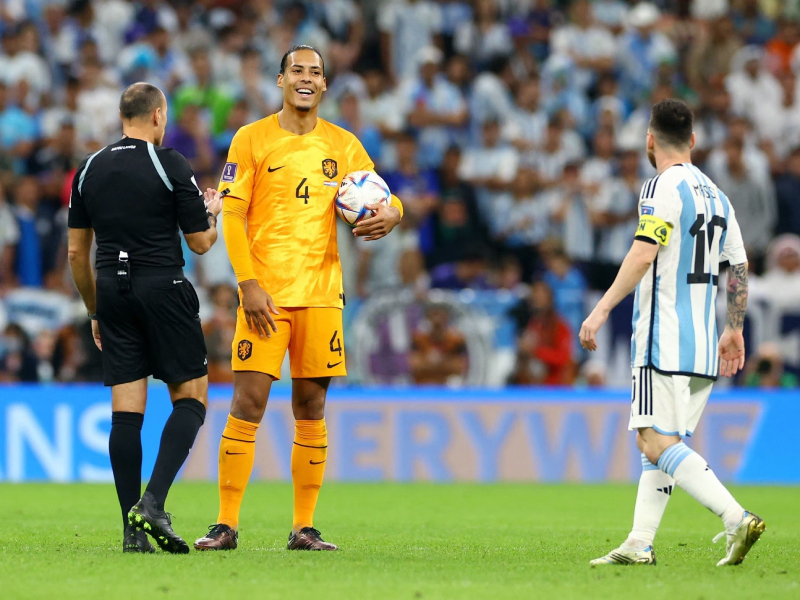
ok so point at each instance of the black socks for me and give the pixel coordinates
(125, 450)
(177, 438)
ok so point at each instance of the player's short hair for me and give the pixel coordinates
(139, 100)
(672, 122)
(285, 58)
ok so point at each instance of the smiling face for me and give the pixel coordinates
(302, 81)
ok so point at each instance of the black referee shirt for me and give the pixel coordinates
(135, 196)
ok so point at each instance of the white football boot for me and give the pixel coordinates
(742, 539)
(627, 556)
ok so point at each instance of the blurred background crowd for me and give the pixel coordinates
(513, 130)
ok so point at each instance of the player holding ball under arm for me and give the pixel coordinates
(280, 230)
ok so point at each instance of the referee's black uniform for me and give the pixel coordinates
(135, 196)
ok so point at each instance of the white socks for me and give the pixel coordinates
(655, 488)
(693, 474)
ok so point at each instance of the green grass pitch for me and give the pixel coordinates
(397, 541)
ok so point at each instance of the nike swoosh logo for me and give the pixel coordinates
(330, 366)
(311, 462)
(229, 452)
(271, 170)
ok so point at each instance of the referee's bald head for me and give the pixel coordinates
(140, 100)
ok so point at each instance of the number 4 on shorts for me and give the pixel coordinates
(338, 341)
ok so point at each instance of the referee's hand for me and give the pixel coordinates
(257, 306)
(96, 335)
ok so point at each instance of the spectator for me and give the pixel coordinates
(591, 47)
(641, 50)
(154, 61)
(787, 194)
(526, 126)
(189, 33)
(766, 369)
(17, 361)
(190, 137)
(40, 234)
(435, 107)
(484, 38)
(226, 62)
(456, 221)
(98, 105)
(17, 130)
(416, 186)
(9, 238)
(752, 24)
(778, 122)
(751, 195)
(571, 212)
(753, 90)
(561, 146)
(382, 107)
(567, 283)
(782, 45)
(615, 215)
(350, 119)
(545, 348)
(470, 272)
(780, 285)
(439, 352)
(344, 22)
(204, 92)
(22, 62)
(219, 329)
(492, 99)
(490, 167)
(65, 110)
(406, 26)
(711, 58)
(521, 221)
(261, 93)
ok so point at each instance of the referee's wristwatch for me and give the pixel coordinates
(92, 316)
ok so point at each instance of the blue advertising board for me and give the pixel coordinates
(60, 433)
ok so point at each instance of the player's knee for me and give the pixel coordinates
(248, 405)
(311, 408)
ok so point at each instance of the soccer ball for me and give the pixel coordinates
(356, 190)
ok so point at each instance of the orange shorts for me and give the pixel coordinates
(313, 337)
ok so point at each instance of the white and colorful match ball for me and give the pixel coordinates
(358, 189)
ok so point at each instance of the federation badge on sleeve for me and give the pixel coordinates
(330, 168)
(648, 210)
(229, 172)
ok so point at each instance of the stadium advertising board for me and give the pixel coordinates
(61, 434)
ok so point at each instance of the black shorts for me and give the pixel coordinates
(152, 329)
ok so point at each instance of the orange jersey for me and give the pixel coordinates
(284, 185)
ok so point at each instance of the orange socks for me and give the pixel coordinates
(309, 453)
(237, 451)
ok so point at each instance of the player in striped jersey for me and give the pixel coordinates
(687, 228)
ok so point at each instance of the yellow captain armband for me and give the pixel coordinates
(653, 228)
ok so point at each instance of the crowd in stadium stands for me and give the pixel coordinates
(513, 130)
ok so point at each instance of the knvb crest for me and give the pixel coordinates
(245, 349)
(330, 168)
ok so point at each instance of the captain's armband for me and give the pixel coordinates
(652, 228)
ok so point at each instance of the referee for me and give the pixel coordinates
(134, 196)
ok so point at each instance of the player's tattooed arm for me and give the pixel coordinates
(737, 296)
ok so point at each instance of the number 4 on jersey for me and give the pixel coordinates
(304, 195)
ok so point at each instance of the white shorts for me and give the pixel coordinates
(670, 404)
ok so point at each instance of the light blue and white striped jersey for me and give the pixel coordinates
(674, 324)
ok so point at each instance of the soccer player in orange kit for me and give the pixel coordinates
(280, 230)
